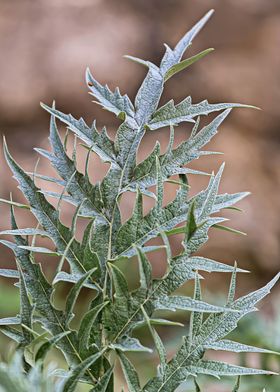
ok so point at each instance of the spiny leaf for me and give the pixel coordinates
(77, 185)
(185, 111)
(97, 142)
(46, 215)
(172, 57)
(112, 101)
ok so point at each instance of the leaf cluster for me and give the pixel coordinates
(114, 314)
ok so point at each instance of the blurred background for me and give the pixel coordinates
(45, 49)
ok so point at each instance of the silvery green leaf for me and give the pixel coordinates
(172, 162)
(43, 350)
(26, 308)
(185, 303)
(158, 343)
(159, 321)
(14, 378)
(150, 225)
(210, 195)
(130, 374)
(172, 57)
(72, 380)
(229, 345)
(112, 101)
(196, 318)
(46, 215)
(77, 185)
(27, 231)
(9, 273)
(217, 369)
(227, 200)
(40, 291)
(205, 264)
(185, 111)
(127, 343)
(72, 278)
(47, 178)
(12, 333)
(73, 295)
(145, 270)
(103, 383)
(10, 320)
(39, 249)
(229, 229)
(149, 94)
(86, 326)
(97, 142)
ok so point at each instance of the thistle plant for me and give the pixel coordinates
(105, 334)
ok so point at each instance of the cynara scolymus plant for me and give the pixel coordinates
(115, 313)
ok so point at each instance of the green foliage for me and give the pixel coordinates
(115, 311)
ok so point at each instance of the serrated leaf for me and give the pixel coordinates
(185, 111)
(172, 57)
(78, 185)
(112, 101)
(97, 142)
(46, 215)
